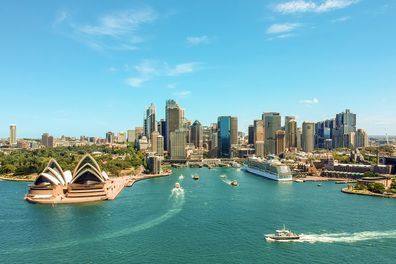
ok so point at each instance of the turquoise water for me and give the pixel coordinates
(210, 222)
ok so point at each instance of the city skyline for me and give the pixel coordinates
(112, 60)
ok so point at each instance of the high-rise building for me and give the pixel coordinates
(206, 137)
(224, 136)
(162, 127)
(13, 135)
(234, 130)
(291, 134)
(154, 164)
(259, 149)
(308, 136)
(345, 123)
(178, 143)
(349, 140)
(110, 137)
(121, 137)
(251, 135)
(160, 145)
(197, 134)
(153, 141)
(131, 136)
(362, 140)
(272, 123)
(299, 138)
(44, 139)
(287, 129)
(139, 132)
(150, 123)
(280, 136)
(322, 133)
(51, 142)
(174, 119)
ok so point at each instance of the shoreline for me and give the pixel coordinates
(367, 193)
(322, 179)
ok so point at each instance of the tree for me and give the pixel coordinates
(376, 187)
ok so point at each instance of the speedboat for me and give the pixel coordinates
(234, 183)
(195, 177)
(177, 185)
(299, 180)
(283, 235)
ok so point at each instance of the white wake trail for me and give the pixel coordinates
(347, 237)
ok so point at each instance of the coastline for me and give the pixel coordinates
(367, 193)
(321, 179)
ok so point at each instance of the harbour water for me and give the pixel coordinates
(209, 222)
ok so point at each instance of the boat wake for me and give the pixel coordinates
(347, 237)
(225, 179)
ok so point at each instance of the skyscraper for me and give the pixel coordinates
(251, 135)
(345, 123)
(174, 118)
(178, 143)
(308, 136)
(291, 134)
(234, 130)
(197, 134)
(13, 136)
(287, 128)
(280, 136)
(150, 123)
(160, 145)
(362, 140)
(110, 137)
(272, 123)
(121, 137)
(131, 136)
(224, 136)
(153, 141)
(44, 139)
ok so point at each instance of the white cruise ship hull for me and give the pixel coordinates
(267, 174)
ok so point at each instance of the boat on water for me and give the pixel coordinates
(272, 169)
(235, 164)
(177, 185)
(283, 235)
(299, 180)
(234, 183)
(195, 177)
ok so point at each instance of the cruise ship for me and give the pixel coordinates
(272, 169)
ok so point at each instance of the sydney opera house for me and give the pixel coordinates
(87, 183)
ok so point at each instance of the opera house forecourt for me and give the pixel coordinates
(87, 184)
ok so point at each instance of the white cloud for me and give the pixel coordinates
(312, 101)
(60, 17)
(136, 82)
(302, 6)
(119, 31)
(148, 70)
(121, 23)
(183, 68)
(341, 19)
(182, 93)
(197, 40)
(282, 28)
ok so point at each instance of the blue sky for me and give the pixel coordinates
(87, 67)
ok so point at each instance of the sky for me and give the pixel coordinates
(87, 67)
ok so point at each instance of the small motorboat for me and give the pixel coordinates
(283, 235)
(299, 180)
(234, 183)
(195, 177)
(319, 185)
(177, 185)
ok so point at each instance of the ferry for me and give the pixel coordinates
(283, 235)
(272, 169)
